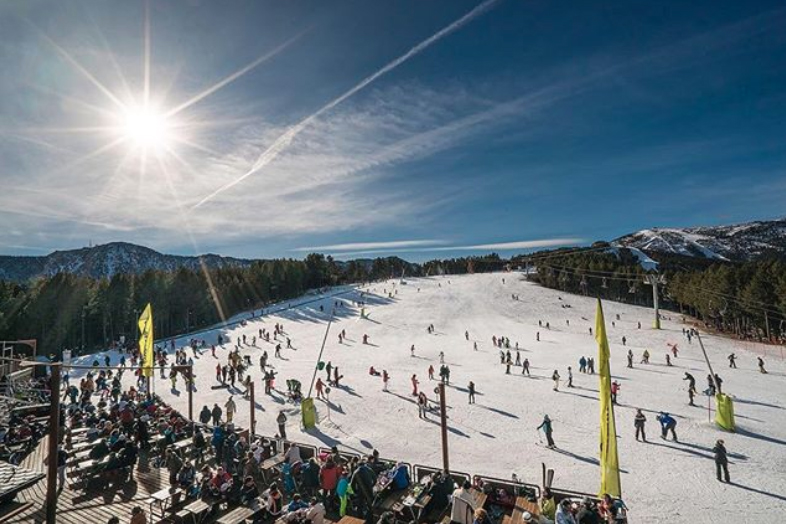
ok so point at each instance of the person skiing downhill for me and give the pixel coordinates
(548, 430)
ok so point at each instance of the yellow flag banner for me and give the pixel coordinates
(609, 461)
(146, 341)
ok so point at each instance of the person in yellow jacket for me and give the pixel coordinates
(231, 408)
(548, 507)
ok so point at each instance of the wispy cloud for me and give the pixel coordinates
(435, 246)
(283, 141)
(356, 246)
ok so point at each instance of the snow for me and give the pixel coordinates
(662, 481)
(644, 261)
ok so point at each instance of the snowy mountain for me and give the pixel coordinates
(738, 242)
(105, 261)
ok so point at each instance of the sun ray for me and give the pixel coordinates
(73, 100)
(110, 53)
(234, 76)
(79, 67)
(146, 96)
(194, 145)
(93, 154)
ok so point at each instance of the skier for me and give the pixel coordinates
(719, 382)
(667, 423)
(645, 357)
(466, 335)
(415, 383)
(471, 389)
(431, 372)
(231, 409)
(385, 379)
(555, 378)
(732, 360)
(668, 360)
(721, 461)
(630, 358)
(525, 368)
(365, 339)
(761, 365)
(710, 386)
(591, 365)
(328, 369)
(674, 350)
(320, 386)
(441, 357)
(518, 357)
(624, 340)
(615, 387)
(537, 336)
(422, 403)
(638, 423)
(475, 346)
(282, 424)
(582, 365)
(412, 351)
(547, 429)
(570, 377)
(278, 351)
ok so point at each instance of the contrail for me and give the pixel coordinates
(283, 141)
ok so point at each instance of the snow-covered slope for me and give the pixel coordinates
(662, 481)
(105, 261)
(735, 242)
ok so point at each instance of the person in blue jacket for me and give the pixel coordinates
(667, 423)
(400, 476)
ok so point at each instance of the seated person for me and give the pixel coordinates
(249, 492)
(296, 509)
(315, 514)
(373, 372)
(186, 476)
(221, 482)
(275, 501)
(99, 451)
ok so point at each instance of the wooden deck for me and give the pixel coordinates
(96, 504)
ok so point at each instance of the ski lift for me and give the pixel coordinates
(605, 284)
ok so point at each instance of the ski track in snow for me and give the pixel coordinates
(662, 481)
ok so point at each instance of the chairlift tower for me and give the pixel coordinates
(655, 280)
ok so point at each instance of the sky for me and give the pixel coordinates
(420, 129)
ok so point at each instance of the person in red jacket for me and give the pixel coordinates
(328, 480)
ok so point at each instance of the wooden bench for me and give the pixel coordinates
(193, 512)
(240, 514)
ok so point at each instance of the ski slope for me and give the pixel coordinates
(662, 481)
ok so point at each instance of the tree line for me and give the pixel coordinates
(745, 299)
(68, 311)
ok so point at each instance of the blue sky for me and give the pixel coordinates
(415, 128)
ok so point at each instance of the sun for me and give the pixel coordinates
(146, 127)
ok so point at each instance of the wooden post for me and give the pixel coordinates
(190, 386)
(253, 425)
(443, 420)
(54, 426)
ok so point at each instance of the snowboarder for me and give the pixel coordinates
(555, 378)
(547, 429)
(638, 423)
(761, 365)
(733, 361)
(721, 461)
(525, 368)
(415, 383)
(471, 390)
(667, 423)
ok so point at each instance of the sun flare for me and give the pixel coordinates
(146, 127)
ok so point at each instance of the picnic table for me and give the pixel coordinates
(269, 466)
(164, 499)
(522, 505)
(415, 500)
(240, 514)
(480, 498)
(194, 511)
(351, 520)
